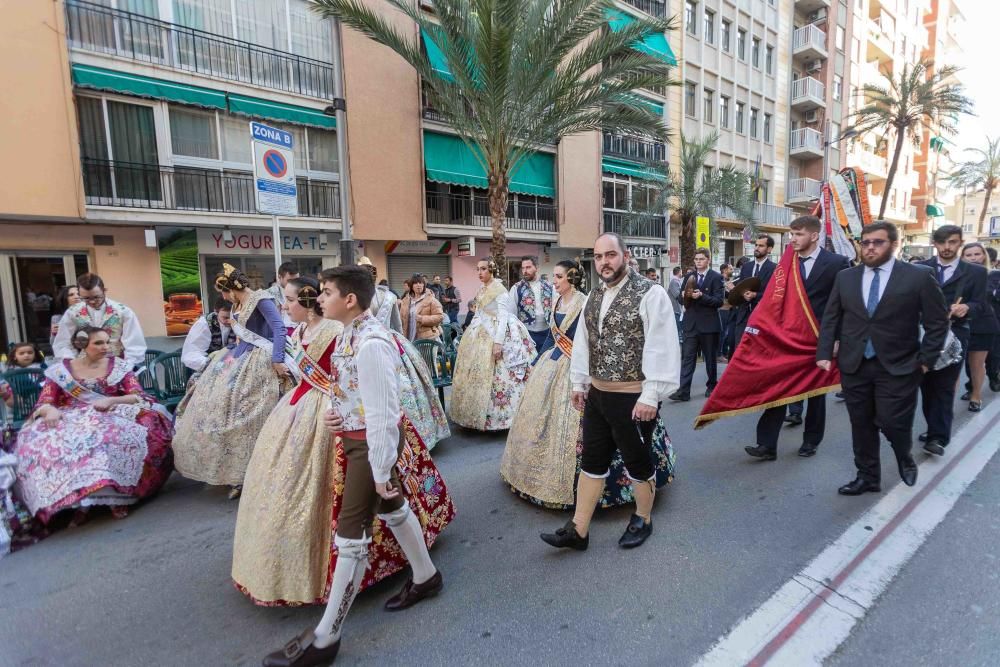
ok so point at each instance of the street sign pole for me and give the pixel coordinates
(276, 241)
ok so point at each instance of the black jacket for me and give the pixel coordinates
(911, 297)
(702, 315)
(968, 282)
(819, 284)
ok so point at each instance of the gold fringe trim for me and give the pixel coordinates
(703, 420)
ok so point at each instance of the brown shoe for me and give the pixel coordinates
(301, 652)
(412, 593)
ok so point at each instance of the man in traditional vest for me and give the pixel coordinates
(626, 361)
(97, 310)
(385, 303)
(531, 300)
(207, 335)
(287, 271)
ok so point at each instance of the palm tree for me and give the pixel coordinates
(920, 97)
(696, 191)
(984, 172)
(524, 74)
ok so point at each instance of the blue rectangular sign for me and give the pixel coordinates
(271, 135)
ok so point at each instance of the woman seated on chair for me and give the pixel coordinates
(94, 438)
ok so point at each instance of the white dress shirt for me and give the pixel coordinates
(378, 383)
(194, 353)
(807, 267)
(513, 302)
(661, 353)
(884, 272)
(949, 269)
(133, 341)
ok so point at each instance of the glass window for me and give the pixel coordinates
(755, 52)
(741, 44)
(691, 17)
(322, 150)
(608, 194)
(93, 134)
(767, 128)
(839, 37)
(769, 59)
(690, 95)
(727, 34)
(838, 86)
(723, 111)
(299, 143)
(236, 141)
(709, 27)
(193, 133)
(708, 106)
(621, 196)
(834, 131)
(753, 122)
(740, 110)
(856, 49)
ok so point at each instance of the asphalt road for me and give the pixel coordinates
(154, 589)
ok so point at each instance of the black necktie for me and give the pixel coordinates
(701, 277)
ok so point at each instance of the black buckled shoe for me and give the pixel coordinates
(760, 452)
(859, 486)
(934, 446)
(412, 593)
(636, 533)
(302, 652)
(567, 538)
(807, 449)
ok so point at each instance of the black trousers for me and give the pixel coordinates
(607, 426)
(771, 420)
(879, 401)
(937, 395)
(708, 345)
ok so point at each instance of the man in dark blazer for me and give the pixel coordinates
(762, 268)
(874, 316)
(819, 269)
(700, 324)
(964, 287)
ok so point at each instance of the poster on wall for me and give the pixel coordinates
(181, 279)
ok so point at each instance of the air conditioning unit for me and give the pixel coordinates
(812, 116)
(818, 15)
(814, 65)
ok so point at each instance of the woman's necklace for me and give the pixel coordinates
(312, 324)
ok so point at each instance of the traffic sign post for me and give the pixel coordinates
(274, 177)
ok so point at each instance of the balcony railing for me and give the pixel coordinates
(803, 189)
(102, 29)
(809, 39)
(636, 225)
(523, 214)
(808, 87)
(806, 138)
(134, 185)
(657, 8)
(635, 148)
(763, 214)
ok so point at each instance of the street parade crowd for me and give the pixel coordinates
(312, 404)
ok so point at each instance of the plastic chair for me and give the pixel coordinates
(171, 377)
(27, 385)
(438, 362)
(147, 378)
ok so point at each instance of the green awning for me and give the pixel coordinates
(655, 45)
(254, 107)
(937, 144)
(97, 78)
(436, 57)
(626, 168)
(934, 211)
(448, 160)
(654, 107)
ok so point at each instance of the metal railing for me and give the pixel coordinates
(526, 214)
(656, 8)
(636, 225)
(102, 29)
(763, 214)
(635, 148)
(803, 188)
(151, 186)
(806, 137)
(809, 36)
(808, 87)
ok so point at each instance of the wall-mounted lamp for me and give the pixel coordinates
(150, 238)
(227, 235)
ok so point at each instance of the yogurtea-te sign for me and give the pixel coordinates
(213, 242)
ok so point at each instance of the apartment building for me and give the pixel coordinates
(965, 210)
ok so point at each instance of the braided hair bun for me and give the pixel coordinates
(307, 291)
(81, 339)
(574, 272)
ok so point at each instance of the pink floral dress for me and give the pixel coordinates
(91, 457)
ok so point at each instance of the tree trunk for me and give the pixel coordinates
(986, 206)
(900, 137)
(498, 194)
(687, 241)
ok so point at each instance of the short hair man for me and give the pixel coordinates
(287, 271)
(435, 286)
(872, 327)
(705, 293)
(761, 267)
(653, 274)
(531, 300)
(451, 299)
(207, 335)
(95, 309)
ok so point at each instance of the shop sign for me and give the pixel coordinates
(213, 242)
(995, 226)
(467, 246)
(644, 251)
(434, 247)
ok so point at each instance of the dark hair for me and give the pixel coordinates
(491, 265)
(810, 223)
(677, 271)
(574, 274)
(286, 268)
(449, 278)
(356, 280)
(741, 261)
(703, 251)
(529, 258)
(37, 359)
(944, 232)
(236, 280)
(879, 225)
(992, 252)
(221, 304)
(89, 281)
(618, 239)
(82, 337)
(61, 303)
(724, 267)
(768, 238)
(417, 278)
(384, 282)
(308, 293)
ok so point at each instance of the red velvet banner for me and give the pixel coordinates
(775, 362)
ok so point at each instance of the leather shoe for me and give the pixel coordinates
(793, 420)
(567, 538)
(965, 396)
(807, 449)
(907, 470)
(975, 406)
(678, 396)
(859, 486)
(934, 446)
(839, 396)
(636, 533)
(302, 652)
(708, 392)
(761, 452)
(412, 593)
(922, 437)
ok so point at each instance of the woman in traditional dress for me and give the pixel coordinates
(94, 437)
(542, 458)
(283, 549)
(494, 359)
(221, 419)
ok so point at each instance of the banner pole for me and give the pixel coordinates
(276, 242)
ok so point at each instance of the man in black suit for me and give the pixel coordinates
(761, 267)
(874, 315)
(964, 287)
(819, 269)
(701, 324)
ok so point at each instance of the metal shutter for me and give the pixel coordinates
(401, 267)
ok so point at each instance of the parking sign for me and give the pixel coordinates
(274, 170)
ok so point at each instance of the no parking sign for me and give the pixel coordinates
(274, 170)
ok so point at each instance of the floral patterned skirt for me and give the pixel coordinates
(419, 397)
(92, 458)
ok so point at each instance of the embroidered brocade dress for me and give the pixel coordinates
(541, 461)
(219, 421)
(485, 394)
(90, 457)
(283, 551)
